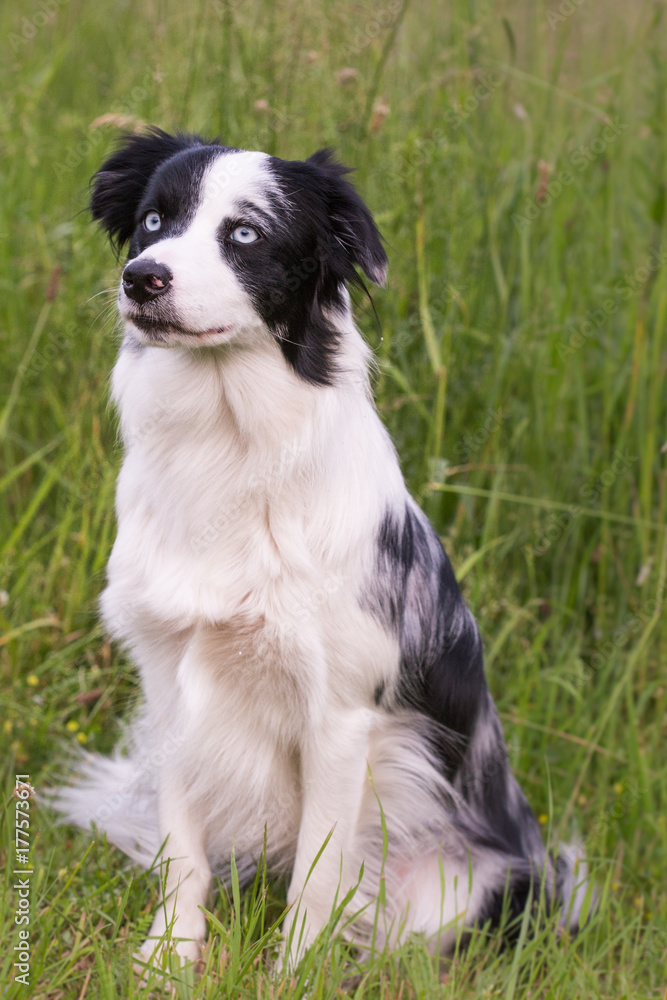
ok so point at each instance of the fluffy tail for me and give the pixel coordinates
(116, 795)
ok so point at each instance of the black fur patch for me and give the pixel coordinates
(442, 672)
(442, 677)
(378, 694)
(486, 781)
(153, 170)
(320, 230)
(504, 907)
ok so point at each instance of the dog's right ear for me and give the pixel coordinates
(119, 184)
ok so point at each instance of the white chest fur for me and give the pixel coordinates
(248, 505)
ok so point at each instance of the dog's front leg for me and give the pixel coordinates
(186, 873)
(334, 773)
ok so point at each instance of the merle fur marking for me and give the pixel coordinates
(442, 677)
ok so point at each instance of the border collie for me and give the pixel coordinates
(309, 667)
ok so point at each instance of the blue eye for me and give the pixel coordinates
(152, 221)
(244, 234)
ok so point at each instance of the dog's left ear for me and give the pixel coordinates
(356, 237)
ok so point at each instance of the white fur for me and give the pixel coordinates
(254, 641)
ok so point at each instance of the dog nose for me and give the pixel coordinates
(145, 279)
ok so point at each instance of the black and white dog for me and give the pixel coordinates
(308, 663)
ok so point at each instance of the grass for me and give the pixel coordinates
(514, 156)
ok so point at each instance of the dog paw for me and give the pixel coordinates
(297, 937)
(164, 962)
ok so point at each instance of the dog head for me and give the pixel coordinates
(224, 242)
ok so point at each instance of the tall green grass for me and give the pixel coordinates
(514, 156)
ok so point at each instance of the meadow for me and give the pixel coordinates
(514, 155)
